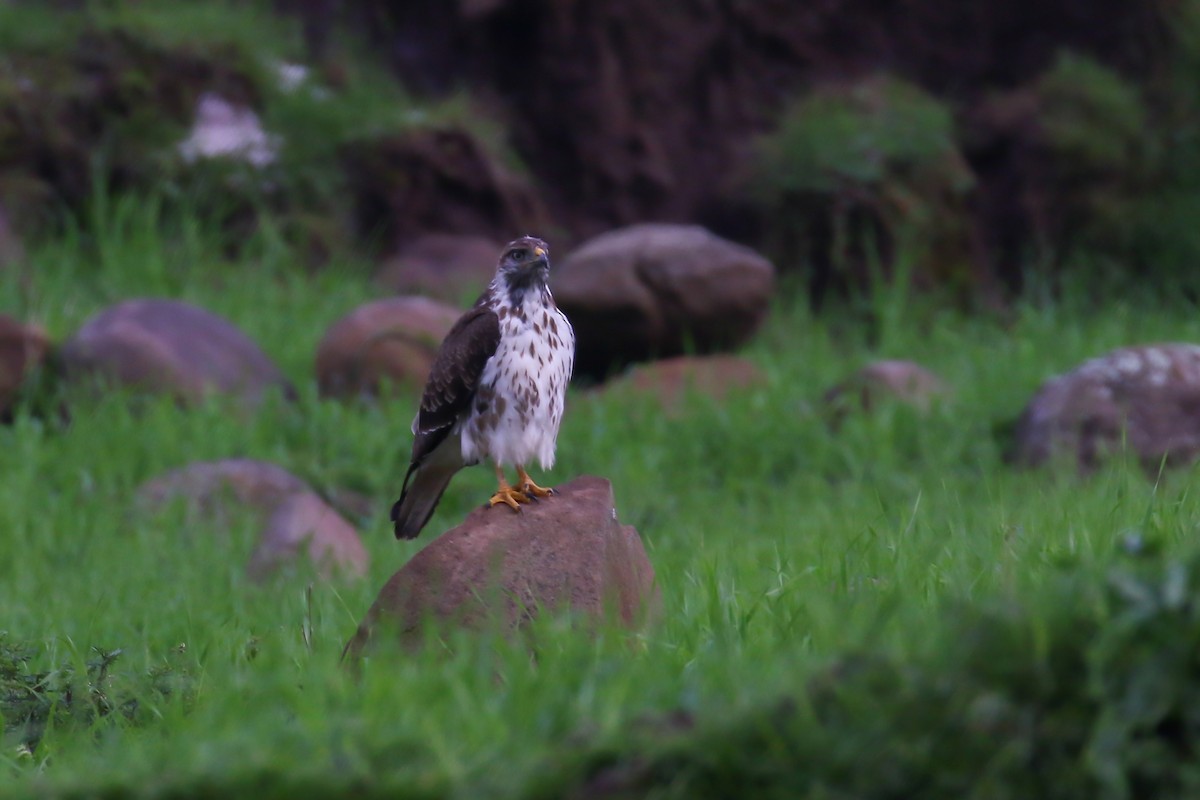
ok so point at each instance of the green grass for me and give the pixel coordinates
(780, 547)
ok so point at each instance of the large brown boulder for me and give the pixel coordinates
(170, 347)
(392, 340)
(653, 290)
(1144, 398)
(566, 552)
(22, 349)
(442, 266)
(295, 520)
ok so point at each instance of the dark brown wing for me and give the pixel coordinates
(453, 380)
(454, 377)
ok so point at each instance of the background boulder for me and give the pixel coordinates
(440, 178)
(304, 524)
(903, 381)
(653, 290)
(442, 266)
(671, 379)
(395, 340)
(209, 486)
(22, 349)
(1145, 398)
(295, 520)
(170, 347)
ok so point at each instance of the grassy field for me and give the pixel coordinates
(784, 552)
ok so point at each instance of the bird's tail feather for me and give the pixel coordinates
(423, 488)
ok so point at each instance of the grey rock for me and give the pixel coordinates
(294, 520)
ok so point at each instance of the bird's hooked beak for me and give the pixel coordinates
(540, 257)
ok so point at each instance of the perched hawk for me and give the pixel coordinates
(495, 390)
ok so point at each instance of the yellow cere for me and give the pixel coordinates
(539, 252)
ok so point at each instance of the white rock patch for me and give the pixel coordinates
(223, 130)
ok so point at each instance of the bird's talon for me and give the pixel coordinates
(529, 487)
(537, 492)
(509, 497)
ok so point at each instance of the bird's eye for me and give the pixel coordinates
(518, 254)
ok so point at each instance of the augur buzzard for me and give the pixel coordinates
(495, 390)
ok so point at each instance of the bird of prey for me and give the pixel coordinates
(495, 391)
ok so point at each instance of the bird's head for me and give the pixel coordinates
(525, 262)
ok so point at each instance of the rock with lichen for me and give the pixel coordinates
(1144, 399)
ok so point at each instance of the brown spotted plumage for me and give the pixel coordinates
(495, 391)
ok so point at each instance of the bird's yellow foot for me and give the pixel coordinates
(510, 497)
(527, 486)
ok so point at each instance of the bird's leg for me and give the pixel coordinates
(526, 484)
(506, 494)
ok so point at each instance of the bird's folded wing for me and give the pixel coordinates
(454, 377)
